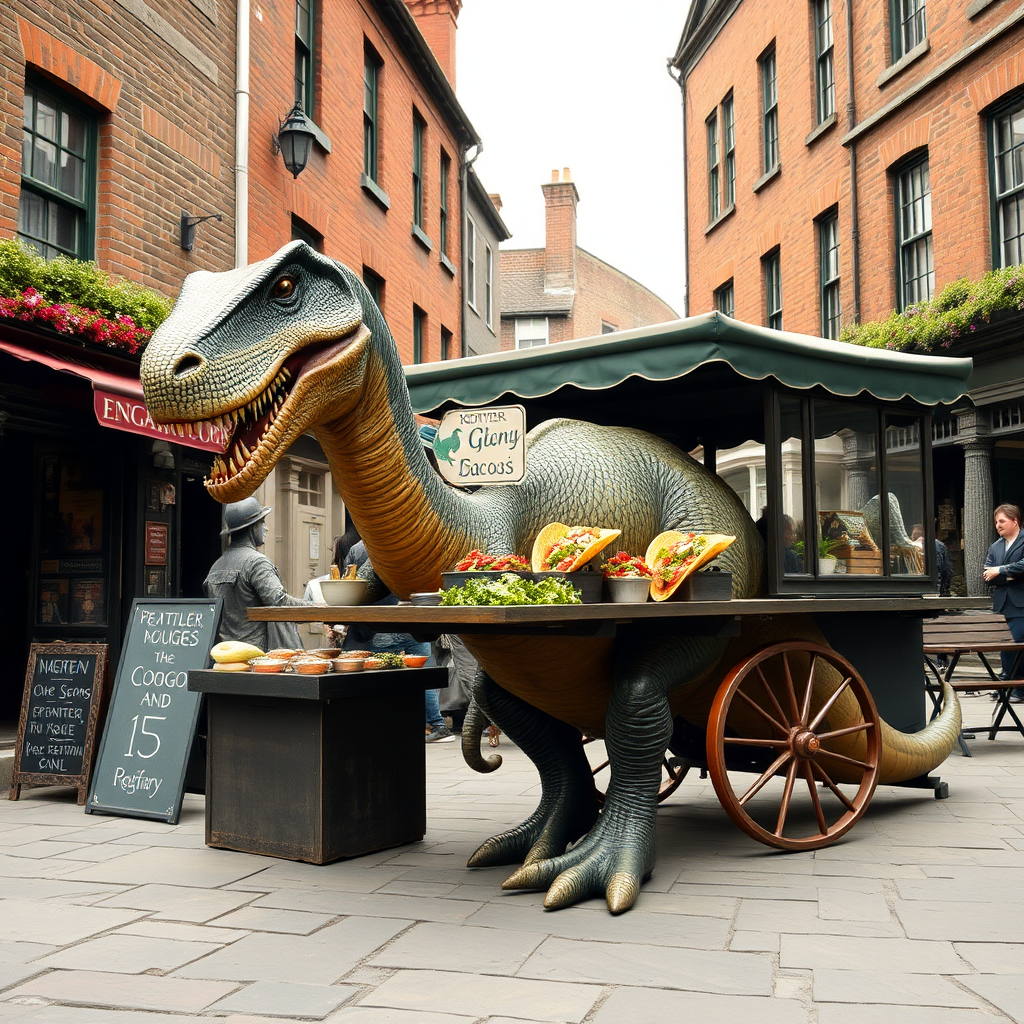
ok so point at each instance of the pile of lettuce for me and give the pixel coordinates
(510, 589)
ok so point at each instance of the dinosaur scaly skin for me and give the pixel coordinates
(295, 343)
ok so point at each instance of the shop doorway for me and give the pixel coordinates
(200, 533)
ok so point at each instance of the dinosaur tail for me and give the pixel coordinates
(472, 729)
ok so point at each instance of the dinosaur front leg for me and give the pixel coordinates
(568, 804)
(619, 852)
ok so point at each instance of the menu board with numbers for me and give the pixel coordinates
(140, 768)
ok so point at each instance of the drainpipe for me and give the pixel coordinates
(464, 166)
(681, 82)
(851, 121)
(242, 134)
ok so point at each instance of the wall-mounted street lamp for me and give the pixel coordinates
(294, 140)
(188, 228)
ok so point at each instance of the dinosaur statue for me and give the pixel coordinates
(295, 343)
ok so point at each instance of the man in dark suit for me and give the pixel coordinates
(1004, 570)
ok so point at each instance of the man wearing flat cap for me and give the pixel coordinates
(245, 578)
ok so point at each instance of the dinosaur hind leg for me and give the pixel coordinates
(568, 805)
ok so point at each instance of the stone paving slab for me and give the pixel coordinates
(408, 908)
(127, 954)
(905, 956)
(795, 916)
(845, 1013)
(1003, 991)
(133, 991)
(283, 999)
(624, 963)
(446, 947)
(187, 932)
(993, 957)
(446, 992)
(193, 867)
(14, 974)
(22, 952)
(635, 1005)
(391, 1015)
(181, 903)
(964, 922)
(264, 919)
(57, 923)
(318, 959)
(857, 987)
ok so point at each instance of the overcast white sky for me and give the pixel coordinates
(582, 84)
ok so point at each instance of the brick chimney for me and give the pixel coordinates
(560, 199)
(436, 20)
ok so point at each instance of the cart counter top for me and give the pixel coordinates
(455, 618)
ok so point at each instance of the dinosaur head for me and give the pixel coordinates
(265, 352)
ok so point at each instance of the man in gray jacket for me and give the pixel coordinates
(245, 578)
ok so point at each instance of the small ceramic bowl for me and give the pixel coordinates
(268, 664)
(343, 592)
(415, 660)
(282, 653)
(372, 663)
(425, 598)
(311, 666)
(349, 664)
(327, 652)
(356, 654)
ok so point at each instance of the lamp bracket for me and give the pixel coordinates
(188, 228)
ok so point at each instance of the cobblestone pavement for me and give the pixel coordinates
(915, 916)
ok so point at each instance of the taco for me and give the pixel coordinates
(672, 556)
(566, 548)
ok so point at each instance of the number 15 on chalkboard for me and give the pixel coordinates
(132, 748)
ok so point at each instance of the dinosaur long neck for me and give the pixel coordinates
(413, 524)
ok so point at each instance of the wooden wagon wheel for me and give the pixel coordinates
(672, 775)
(789, 747)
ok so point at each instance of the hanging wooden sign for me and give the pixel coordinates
(65, 691)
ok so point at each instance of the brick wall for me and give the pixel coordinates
(160, 77)
(358, 231)
(946, 116)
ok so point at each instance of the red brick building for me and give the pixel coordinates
(825, 138)
(562, 292)
(847, 159)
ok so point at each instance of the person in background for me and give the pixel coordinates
(1004, 570)
(244, 578)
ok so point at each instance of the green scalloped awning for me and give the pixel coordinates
(669, 352)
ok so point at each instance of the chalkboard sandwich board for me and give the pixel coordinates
(65, 689)
(140, 768)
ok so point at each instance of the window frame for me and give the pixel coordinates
(907, 244)
(375, 285)
(1014, 194)
(84, 208)
(829, 285)
(488, 286)
(901, 40)
(446, 343)
(535, 341)
(419, 134)
(305, 51)
(444, 173)
(768, 64)
(772, 268)
(824, 61)
(372, 66)
(714, 183)
(729, 150)
(419, 333)
(470, 262)
(725, 298)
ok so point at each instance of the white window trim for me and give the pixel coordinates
(532, 320)
(471, 264)
(489, 286)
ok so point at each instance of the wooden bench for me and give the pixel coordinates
(950, 637)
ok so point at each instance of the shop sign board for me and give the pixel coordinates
(140, 768)
(65, 690)
(482, 446)
(124, 413)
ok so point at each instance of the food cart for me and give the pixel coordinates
(829, 447)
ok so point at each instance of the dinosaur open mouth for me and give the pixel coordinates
(253, 429)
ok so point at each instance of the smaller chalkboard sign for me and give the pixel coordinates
(140, 768)
(65, 688)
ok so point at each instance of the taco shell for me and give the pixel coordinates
(716, 544)
(554, 532)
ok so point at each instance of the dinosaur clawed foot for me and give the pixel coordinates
(590, 869)
(545, 834)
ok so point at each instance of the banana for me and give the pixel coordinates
(235, 651)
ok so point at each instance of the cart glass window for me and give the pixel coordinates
(792, 537)
(904, 474)
(846, 482)
(743, 469)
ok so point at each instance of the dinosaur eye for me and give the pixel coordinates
(284, 288)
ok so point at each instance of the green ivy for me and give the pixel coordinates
(960, 309)
(81, 283)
